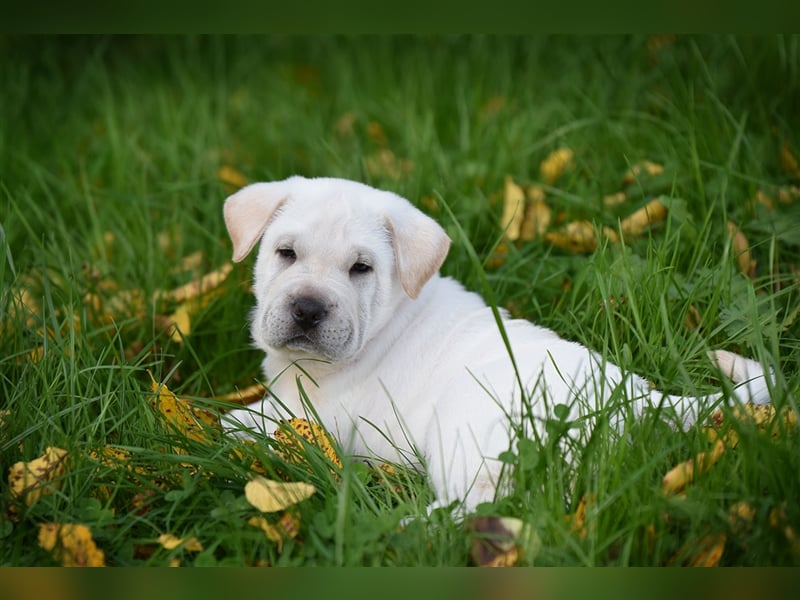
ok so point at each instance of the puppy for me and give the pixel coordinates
(399, 363)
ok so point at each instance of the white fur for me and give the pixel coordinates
(406, 363)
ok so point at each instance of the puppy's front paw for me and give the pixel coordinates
(747, 373)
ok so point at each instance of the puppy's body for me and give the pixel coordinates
(398, 362)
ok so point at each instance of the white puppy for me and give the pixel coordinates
(398, 362)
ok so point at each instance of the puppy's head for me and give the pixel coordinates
(336, 257)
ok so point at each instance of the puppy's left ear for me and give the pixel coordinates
(420, 247)
(248, 211)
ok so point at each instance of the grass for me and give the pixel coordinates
(108, 143)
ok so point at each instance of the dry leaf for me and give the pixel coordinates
(763, 199)
(692, 320)
(244, 396)
(707, 553)
(344, 124)
(71, 544)
(537, 220)
(376, 133)
(513, 209)
(740, 516)
(29, 481)
(556, 164)
(231, 176)
(577, 520)
(170, 542)
(789, 161)
(384, 163)
(741, 250)
(312, 433)
(494, 541)
(682, 475)
(788, 194)
(646, 167)
(273, 496)
(196, 288)
(188, 420)
(611, 200)
(636, 223)
(577, 236)
(287, 527)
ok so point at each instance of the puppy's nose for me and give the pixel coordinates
(308, 312)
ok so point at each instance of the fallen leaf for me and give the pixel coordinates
(287, 527)
(577, 520)
(645, 167)
(196, 288)
(578, 236)
(344, 124)
(376, 133)
(244, 396)
(231, 176)
(611, 200)
(384, 163)
(679, 477)
(637, 222)
(71, 544)
(170, 542)
(556, 164)
(287, 434)
(494, 541)
(188, 420)
(707, 552)
(537, 220)
(789, 161)
(788, 194)
(763, 199)
(273, 496)
(741, 250)
(29, 481)
(513, 209)
(740, 516)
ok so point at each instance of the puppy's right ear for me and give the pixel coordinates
(248, 211)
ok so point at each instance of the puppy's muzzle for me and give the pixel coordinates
(308, 312)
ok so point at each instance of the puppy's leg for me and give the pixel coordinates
(750, 378)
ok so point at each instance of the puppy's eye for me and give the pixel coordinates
(360, 268)
(286, 253)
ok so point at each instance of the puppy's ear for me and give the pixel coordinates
(248, 211)
(420, 247)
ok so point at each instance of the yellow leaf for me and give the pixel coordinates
(646, 167)
(637, 222)
(244, 396)
(513, 209)
(29, 481)
(494, 541)
(273, 496)
(170, 542)
(71, 544)
(682, 475)
(577, 520)
(181, 323)
(614, 199)
(312, 433)
(196, 288)
(789, 161)
(287, 527)
(711, 553)
(537, 220)
(556, 164)
(741, 250)
(577, 236)
(188, 420)
(231, 176)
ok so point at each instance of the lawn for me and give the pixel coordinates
(116, 155)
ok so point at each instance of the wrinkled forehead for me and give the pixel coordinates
(335, 222)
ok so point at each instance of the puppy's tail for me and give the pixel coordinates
(748, 375)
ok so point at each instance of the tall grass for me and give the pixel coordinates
(108, 144)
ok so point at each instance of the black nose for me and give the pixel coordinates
(308, 312)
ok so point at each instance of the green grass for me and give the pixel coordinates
(127, 135)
